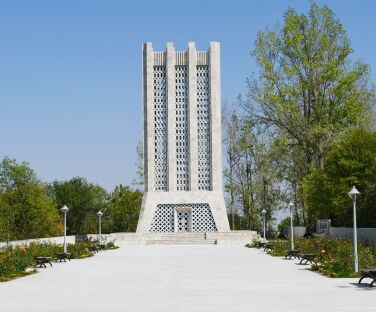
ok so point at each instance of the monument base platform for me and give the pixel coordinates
(231, 238)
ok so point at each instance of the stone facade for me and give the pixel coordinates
(182, 141)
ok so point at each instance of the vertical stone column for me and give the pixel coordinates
(215, 108)
(171, 116)
(148, 62)
(192, 98)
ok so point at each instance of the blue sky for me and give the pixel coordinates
(70, 72)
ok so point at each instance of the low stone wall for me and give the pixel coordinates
(131, 239)
(71, 239)
(368, 234)
(232, 237)
(299, 231)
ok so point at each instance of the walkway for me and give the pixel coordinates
(183, 278)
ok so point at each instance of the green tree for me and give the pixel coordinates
(139, 181)
(351, 161)
(307, 88)
(84, 200)
(253, 173)
(231, 137)
(123, 209)
(25, 209)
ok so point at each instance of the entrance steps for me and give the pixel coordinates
(178, 239)
(231, 238)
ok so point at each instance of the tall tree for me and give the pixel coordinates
(350, 161)
(25, 209)
(123, 209)
(307, 88)
(84, 200)
(139, 181)
(231, 137)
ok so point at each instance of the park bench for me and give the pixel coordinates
(308, 258)
(101, 246)
(292, 253)
(268, 247)
(93, 248)
(62, 256)
(41, 262)
(368, 273)
(260, 245)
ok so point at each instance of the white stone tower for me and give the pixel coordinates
(182, 141)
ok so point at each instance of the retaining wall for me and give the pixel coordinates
(71, 239)
(368, 234)
(299, 231)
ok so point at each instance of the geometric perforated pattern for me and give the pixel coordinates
(182, 134)
(160, 128)
(202, 218)
(203, 124)
(183, 221)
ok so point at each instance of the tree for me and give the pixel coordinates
(25, 209)
(139, 181)
(84, 200)
(123, 209)
(253, 174)
(231, 137)
(307, 89)
(350, 161)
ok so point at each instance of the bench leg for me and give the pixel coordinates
(301, 261)
(363, 277)
(373, 282)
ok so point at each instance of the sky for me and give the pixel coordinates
(70, 71)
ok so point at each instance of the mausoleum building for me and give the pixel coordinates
(182, 141)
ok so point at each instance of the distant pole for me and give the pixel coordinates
(65, 209)
(100, 214)
(263, 214)
(291, 206)
(352, 194)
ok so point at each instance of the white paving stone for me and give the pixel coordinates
(183, 278)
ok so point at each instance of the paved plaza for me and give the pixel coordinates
(183, 278)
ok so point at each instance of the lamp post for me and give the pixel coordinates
(352, 194)
(291, 206)
(100, 214)
(263, 212)
(65, 209)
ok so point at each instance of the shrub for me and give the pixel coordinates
(335, 256)
(14, 260)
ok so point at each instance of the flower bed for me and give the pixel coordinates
(335, 256)
(15, 261)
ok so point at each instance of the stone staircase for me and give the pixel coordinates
(178, 239)
(210, 238)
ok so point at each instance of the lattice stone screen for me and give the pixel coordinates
(183, 221)
(182, 135)
(160, 128)
(202, 218)
(203, 133)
